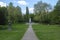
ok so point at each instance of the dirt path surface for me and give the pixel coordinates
(29, 35)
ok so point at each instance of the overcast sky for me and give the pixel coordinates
(24, 3)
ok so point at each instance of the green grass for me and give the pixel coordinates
(16, 33)
(47, 32)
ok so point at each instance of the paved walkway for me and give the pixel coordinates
(30, 35)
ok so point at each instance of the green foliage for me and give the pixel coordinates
(44, 16)
(3, 15)
(41, 11)
(31, 15)
(18, 14)
(11, 12)
(27, 14)
(14, 13)
(36, 18)
(55, 14)
(40, 7)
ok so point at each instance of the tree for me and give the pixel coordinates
(10, 15)
(18, 14)
(27, 14)
(14, 13)
(3, 15)
(41, 9)
(55, 15)
(36, 18)
(31, 15)
(11, 12)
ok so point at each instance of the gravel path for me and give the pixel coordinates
(29, 35)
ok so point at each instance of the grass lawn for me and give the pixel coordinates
(47, 32)
(16, 33)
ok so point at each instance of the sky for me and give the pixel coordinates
(24, 3)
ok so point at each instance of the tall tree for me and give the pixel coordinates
(18, 14)
(27, 14)
(11, 12)
(10, 15)
(41, 7)
(55, 15)
(41, 10)
(3, 15)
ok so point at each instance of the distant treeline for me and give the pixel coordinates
(43, 13)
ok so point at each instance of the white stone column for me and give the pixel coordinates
(29, 20)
